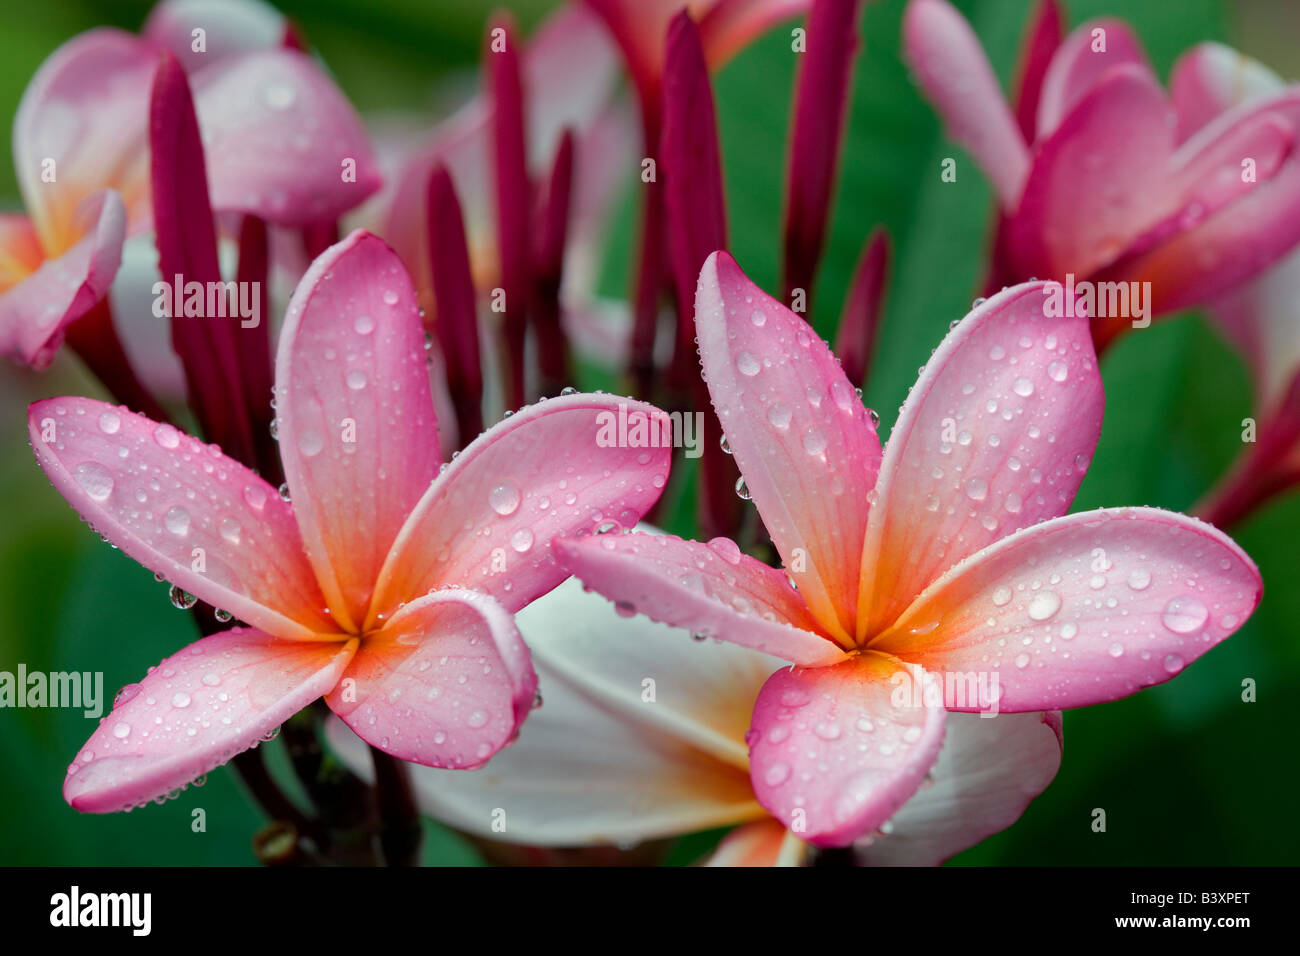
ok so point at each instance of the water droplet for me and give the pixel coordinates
(779, 415)
(1023, 387)
(1012, 503)
(874, 416)
(748, 364)
(180, 699)
(742, 489)
(230, 530)
(223, 616)
(724, 444)
(95, 480)
(310, 442)
(977, 489)
(390, 297)
(568, 390)
(504, 499)
(1058, 371)
(181, 599)
(121, 730)
(278, 96)
(109, 423)
(177, 520)
(284, 491)
(758, 317)
(777, 774)
(522, 540)
(1139, 579)
(477, 719)
(1116, 649)
(1022, 660)
(1002, 596)
(1184, 615)
(1043, 605)
(725, 548)
(125, 695)
(167, 436)
(363, 324)
(814, 441)
(356, 379)
(625, 609)
(1068, 630)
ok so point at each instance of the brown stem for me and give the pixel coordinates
(399, 826)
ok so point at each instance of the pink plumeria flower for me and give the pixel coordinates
(1106, 185)
(81, 156)
(1262, 317)
(387, 584)
(642, 737)
(949, 555)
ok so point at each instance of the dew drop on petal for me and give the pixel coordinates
(95, 480)
(1043, 605)
(1184, 615)
(504, 499)
(748, 364)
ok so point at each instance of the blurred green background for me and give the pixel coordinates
(1187, 772)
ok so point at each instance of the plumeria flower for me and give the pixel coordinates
(947, 557)
(642, 737)
(1107, 185)
(81, 156)
(1262, 317)
(374, 578)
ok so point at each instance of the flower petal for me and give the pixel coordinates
(987, 773)
(358, 432)
(229, 28)
(711, 589)
(761, 843)
(1210, 79)
(445, 683)
(195, 711)
(952, 69)
(280, 103)
(556, 468)
(1113, 146)
(183, 510)
(996, 436)
(35, 313)
(797, 430)
(1083, 609)
(600, 762)
(85, 110)
(1083, 58)
(835, 751)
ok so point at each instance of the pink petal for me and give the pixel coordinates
(995, 436)
(1041, 40)
(196, 710)
(761, 843)
(445, 683)
(358, 434)
(1082, 609)
(229, 28)
(712, 590)
(642, 771)
(1114, 145)
(86, 109)
(280, 103)
(1210, 256)
(835, 751)
(950, 65)
(1078, 67)
(183, 510)
(548, 471)
(987, 773)
(36, 312)
(799, 433)
(855, 340)
(1211, 78)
